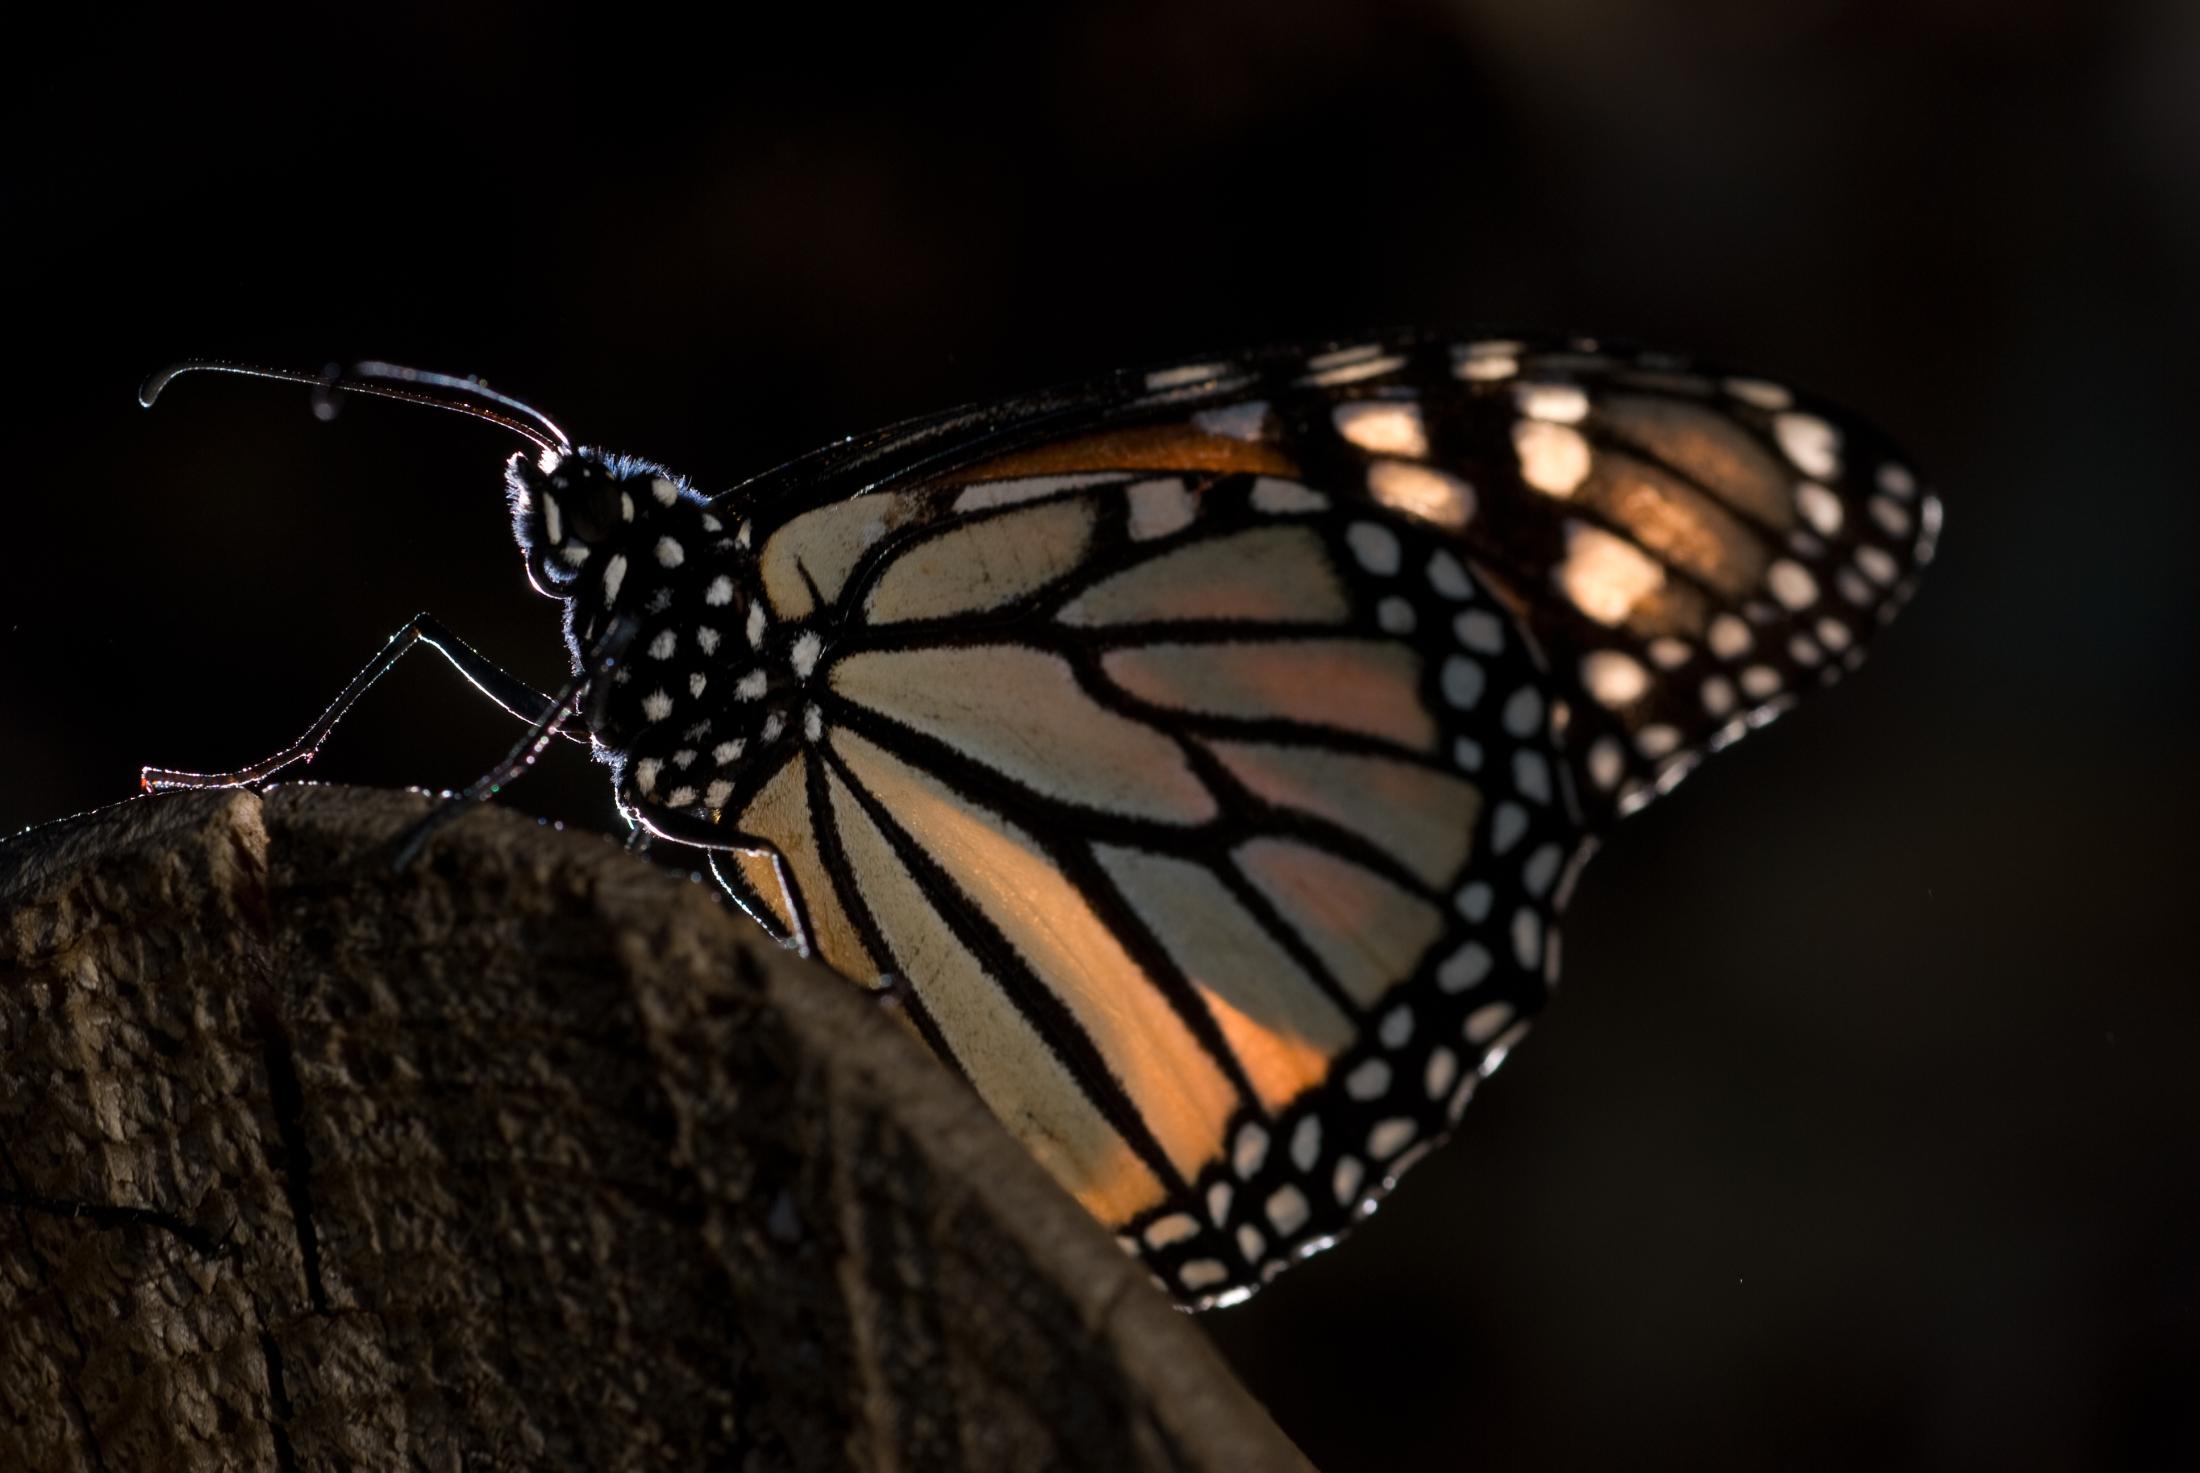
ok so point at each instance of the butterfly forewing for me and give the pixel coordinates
(1204, 754)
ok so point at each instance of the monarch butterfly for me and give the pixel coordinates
(1202, 755)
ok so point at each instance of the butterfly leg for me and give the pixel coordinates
(701, 833)
(603, 658)
(513, 695)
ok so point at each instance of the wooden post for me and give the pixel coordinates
(533, 1156)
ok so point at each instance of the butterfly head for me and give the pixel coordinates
(575, 512)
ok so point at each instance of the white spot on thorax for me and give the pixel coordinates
(661, 647)
(614, 574)
(657, 705)
(665, 492)
(669, 554)
(807, 647)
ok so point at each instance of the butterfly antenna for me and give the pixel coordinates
(390, 381)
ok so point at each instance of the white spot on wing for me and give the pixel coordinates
(1422, 491)
(1554, 458)
(1615, 679)
(1375, 547)
(1605, 576)
(1275, 497)
(1381, 427)
(1810, 442)
(1760, 393)
(1247, 421)
(1558, 403)
(1179, 377)
(1159, 507)
(1819, 506)
(1792, 584)
(1027, 488)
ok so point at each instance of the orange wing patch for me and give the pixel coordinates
(1021, 1080)
(1177, 447)
(1282, 1027)
(1184, 1096)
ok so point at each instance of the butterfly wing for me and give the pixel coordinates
(1204, 754)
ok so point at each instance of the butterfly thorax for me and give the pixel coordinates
(686, 679)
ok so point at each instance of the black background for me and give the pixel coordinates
(1863, 1133)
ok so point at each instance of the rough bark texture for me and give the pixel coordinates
(532, 1156)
